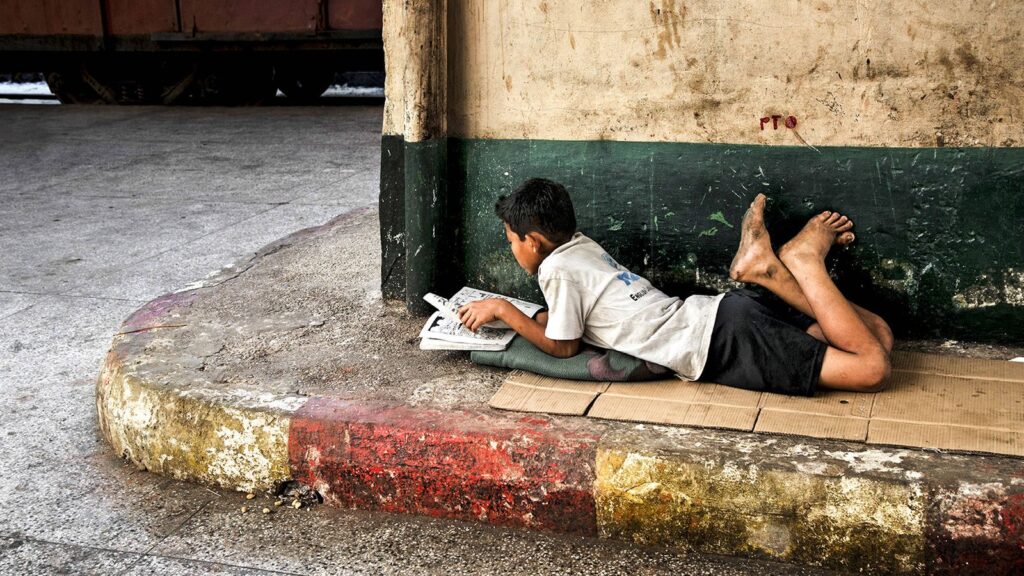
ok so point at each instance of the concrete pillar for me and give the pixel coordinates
(415, 33)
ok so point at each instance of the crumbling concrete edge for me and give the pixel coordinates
(869, 509)
(837, 505)
(237, 441)
(180, 428)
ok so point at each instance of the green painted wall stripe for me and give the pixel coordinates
(392, 217)
(427, 227)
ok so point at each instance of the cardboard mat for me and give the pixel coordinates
(940, 402)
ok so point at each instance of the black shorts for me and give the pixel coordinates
(760, 343)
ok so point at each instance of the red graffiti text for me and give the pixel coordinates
(789, 122)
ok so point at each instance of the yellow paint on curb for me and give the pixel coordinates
(842, 522)
(189, 436)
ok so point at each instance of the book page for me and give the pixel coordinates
(468, 294)
(440, 328)
(435, 344)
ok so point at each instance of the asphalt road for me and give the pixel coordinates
(105, 208)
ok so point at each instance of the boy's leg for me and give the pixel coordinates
(856, 359)
(756, 263)
(876, 324)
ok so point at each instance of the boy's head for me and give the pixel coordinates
(538, 218)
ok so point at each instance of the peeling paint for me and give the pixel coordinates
(715, 281)
(1006, 288)
(871, 460)
(503, 469)
(246, 398)
(896, 275)
(744, 508)
(978, 529)
(158, 427)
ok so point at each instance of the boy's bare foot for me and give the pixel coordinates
(817, 237)
(754, 258)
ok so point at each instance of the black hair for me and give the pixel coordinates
(539, 205)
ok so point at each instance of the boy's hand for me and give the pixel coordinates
(476, 314)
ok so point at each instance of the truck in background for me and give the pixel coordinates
(189, 51)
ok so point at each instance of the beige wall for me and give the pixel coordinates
(853, 73)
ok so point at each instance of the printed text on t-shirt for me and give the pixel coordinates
(638, 295)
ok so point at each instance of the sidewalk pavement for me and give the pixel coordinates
(290, 367)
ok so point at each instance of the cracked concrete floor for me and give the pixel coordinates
(104, 208)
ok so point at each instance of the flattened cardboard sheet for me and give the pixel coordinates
(829, 414)
(525, 392)
(941, 402)
(677, 402)
(939, 399)
(946, 437)
(813, 425)
(825, 403)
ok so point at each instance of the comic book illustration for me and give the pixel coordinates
(449, 307)
(439, 328)
(444, 331)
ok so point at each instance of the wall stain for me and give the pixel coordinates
(669, 19)
(967, 57)
(830, 102)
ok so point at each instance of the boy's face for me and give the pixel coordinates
(526, 251)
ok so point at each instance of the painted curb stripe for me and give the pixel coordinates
(851, 523)
(979, 530)
(186, 437)
(190, 438)
(504, 470)
(530, 472)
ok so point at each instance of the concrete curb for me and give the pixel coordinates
(821, 503)
(186, 432)
(503, 469)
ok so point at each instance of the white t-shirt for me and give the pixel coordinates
(589, 295)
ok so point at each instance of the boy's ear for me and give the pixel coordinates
(535, 241)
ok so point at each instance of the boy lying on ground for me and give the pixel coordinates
(805, 336)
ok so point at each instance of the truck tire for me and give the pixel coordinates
(302, 83)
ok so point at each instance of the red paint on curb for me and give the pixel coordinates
(485, 466)
(979, 534)
(155, 310)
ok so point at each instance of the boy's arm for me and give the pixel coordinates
(476, 314)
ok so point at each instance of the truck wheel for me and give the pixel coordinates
(70, 87)
(303, 84)
(238, 85)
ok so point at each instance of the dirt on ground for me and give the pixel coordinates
(306, 317)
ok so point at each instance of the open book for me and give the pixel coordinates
(443, 331)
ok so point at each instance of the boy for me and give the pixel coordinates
(812, 338)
